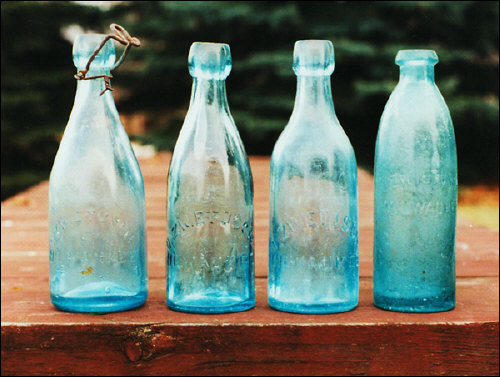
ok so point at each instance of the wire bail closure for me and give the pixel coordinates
(121, 36)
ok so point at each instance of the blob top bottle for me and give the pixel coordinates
(313, 240)
(415, 193)
(97, 220)
(210, 257)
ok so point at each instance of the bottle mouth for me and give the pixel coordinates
(313, 57)
(416, 57)
(85, 45)
(209, 60)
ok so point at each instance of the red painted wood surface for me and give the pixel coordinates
(37, 339)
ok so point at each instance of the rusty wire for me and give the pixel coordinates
(121, 36)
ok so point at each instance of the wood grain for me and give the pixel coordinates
(284, 349)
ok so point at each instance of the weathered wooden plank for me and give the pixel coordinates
(26, 301)
(288, 349)
(153, 340)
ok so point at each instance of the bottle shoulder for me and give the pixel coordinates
(328, 159)
(209, 167)
(201, 141)
(411, 102)
(299, 142)
(415, 130)
(415, 108)
(91, 153)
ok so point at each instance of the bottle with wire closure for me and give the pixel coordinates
(210, 259)
(97, 218)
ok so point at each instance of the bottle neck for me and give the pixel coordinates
(314, 97)
(90, 106)
(416, 72)
(209, 93)
(208, 119)
(94, 87)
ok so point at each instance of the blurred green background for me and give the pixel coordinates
(153, 85)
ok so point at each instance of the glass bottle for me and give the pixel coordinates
(313, 240)
(210, 257)
(415, 193)
(97, 218)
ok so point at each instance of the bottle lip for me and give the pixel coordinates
(209, 60)
(313, 57)
(84, 46)
(416, 57)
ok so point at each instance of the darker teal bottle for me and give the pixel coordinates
(415, 193)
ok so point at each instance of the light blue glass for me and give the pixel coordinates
(313, 240)
(415, 193)
(210, 257)
(97, 216)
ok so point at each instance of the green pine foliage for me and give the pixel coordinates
(366, 36)
(37, 86)
(38, 89)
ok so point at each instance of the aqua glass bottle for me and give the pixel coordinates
(97, 219)
(415, 193)
(210, 257)
(313, 240)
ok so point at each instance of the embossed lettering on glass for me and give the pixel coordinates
(415, 193)
(97, 218)
(313, 240)
(210, 258)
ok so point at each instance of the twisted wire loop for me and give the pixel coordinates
(121, 36)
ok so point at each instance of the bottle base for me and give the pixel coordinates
(99, 298)
(325, 308)
(211, 304)
(414, 305)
